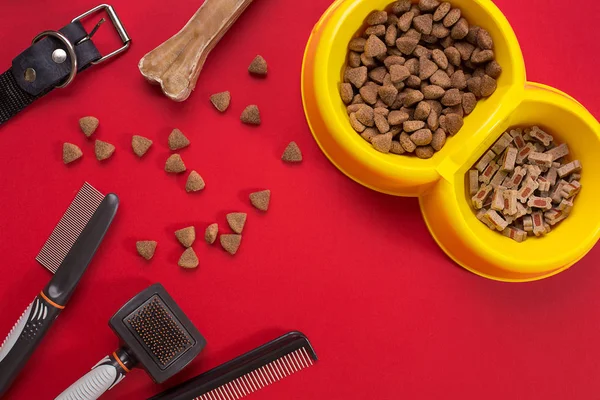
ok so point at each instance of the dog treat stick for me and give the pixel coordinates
(176, 64)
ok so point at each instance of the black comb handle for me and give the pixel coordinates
(31, 328)
(102, 377)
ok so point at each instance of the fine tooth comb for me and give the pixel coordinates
(69, 227)
(154, 333)
(67, 253)
(247, 373)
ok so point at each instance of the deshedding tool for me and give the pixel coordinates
(67, 252)
(154, 333)
(248, 373)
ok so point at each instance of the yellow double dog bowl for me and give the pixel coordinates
(439, 182)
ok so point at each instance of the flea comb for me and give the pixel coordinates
(248, 373)
(154, 334)
(67, 253)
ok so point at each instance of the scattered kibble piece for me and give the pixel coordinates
(88, 125)
(186, 236)
(231, 243)
(292, 153)
(251, 115)
(71, 152)
(175, 164)
(177, 140)
(522, 193)
(146, 248)
(258, 66)
(221, 100)
(140, 145)
(261, 199)
(236, 221)
(420, 67)
(194, 182)
(210, 235)
(103, 150)
(188, 259)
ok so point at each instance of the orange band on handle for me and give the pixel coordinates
(114, 354)
(53, 304)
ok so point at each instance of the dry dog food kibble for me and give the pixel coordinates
(524, 185)
(146, 248)
(194, 182)
(177, 140)
(103, 150)
(210, 235)
(251, 115)
(188, 259)
(413, 75)
(140, 145)
(260, 200)
(221, 100)
(292, 153)
(175, 164)
(258, 66)
(71, 152)
(88, 125)
(231, 243)
(236, 221)
(186, 236)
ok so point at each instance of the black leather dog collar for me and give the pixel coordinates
(53, 60)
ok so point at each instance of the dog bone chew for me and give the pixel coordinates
(140, 145)
(230, 243)
(71, 153)
(292, 153)
(175, 164)
(177, 140)
(88, 125)
(194, 182)
(210, 235)
(524, 185)
(188, 259)
(146, 248)
(414, 74)
(176, 63)
(103, 150)
(258, 66)
(236, 221)
(260, 200)
(186, 236)
(221, 100)
(251, 115)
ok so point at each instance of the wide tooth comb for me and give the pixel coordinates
(69, 227)
(248, 373)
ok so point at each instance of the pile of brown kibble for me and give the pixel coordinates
(413, 75)
(524, 184)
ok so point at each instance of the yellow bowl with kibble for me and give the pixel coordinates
(440, 182)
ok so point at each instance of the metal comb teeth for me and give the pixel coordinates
(69, 227)
(162, 335)
(261, 377)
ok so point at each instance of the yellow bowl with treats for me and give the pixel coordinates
(439, 181)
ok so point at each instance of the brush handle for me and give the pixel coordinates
(103, 376)
(24, 337)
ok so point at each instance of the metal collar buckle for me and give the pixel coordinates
(114, 18)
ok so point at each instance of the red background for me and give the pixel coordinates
(390, 316)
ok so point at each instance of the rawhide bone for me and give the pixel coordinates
(176, 64)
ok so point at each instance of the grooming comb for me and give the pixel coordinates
(71, 246)
(154, 333)
(248, 373)
(69, 227)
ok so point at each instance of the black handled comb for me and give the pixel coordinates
(90, 216)
(154, 333)
(248, 373)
